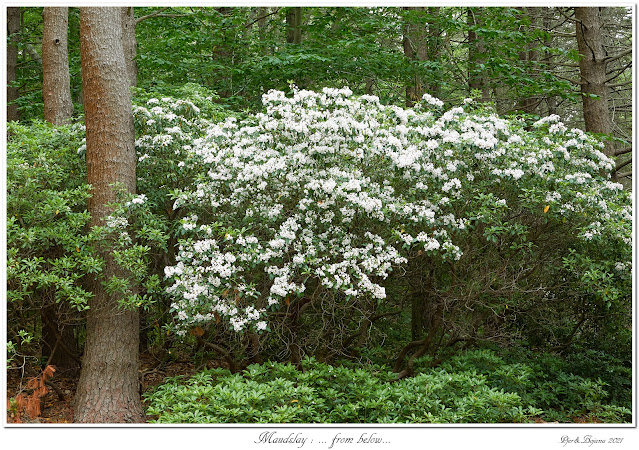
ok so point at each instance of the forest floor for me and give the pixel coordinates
(58, 410)
(55, 409)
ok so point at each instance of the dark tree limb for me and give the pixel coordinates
(619, 71)
(423, 347)
(216, 348)
(616, 85)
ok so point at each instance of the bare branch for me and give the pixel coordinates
(619, 71)
(623, 151)
(263, 17)
(609, 59)
(148, 16)
(625, 83)
(621, 164)
(572, 81)
(571, 19)
(624, 174)
(566, 35)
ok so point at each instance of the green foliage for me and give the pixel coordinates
(279, 393)
(558, 387)
(474, 387)
(48, 248)
(359, 47)
(208, 105)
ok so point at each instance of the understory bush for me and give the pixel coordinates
(474, 387)
(48, 248)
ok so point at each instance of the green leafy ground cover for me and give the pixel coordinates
(478, 386)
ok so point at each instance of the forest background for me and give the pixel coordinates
(521, 63)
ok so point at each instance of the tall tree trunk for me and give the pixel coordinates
(130, 44)
(108, 390)
(262, 11)
(56, 81)
(592, 66)
(57, 340)
(477, 79)
(294, 25)
(435, 45)
(551, 101)
(13, 28)
(415, 49)
(529, 57)
(422, 42)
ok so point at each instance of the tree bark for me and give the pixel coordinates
(13, 28)
(262, 13)
(477, 79)
(592, 66)
(108, 389)
(130, 44)
(294, 25)
(56, 81)
(421, 42)
(529, 57)
(551, 101)
(415, 49)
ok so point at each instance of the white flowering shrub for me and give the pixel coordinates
(326, 195)
(166, 128)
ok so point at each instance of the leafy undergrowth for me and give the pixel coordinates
(476, 387)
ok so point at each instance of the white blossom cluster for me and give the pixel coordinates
(328, 191)
(167, 127)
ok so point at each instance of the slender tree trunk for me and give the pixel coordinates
(262, 11)
(477, 79)
(108, 390)
(13, 27)
(130, 44)
(592, 66)
(56, 81)
(422, 42)
(417, 315)
(57, 340)
(529, 57)
(415, 49)
(435, 44)
(294, 25)
(551, 101)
